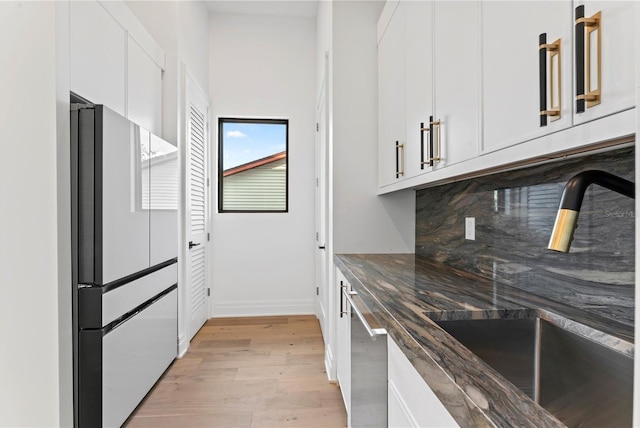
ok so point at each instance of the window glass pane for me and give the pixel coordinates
(253, 165)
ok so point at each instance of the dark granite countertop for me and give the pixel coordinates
(406, 293)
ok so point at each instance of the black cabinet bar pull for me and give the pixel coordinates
(542, 54)
(431, 156)
(422, 145)
(554, 75)
(397, 160)
(341, 299)
(399, 170)
(580, 102)
(588, 89)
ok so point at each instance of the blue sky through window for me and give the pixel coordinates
(247, 142)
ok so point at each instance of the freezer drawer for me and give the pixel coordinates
(120, 363)
(135, 354)
(122, 300)
(100, 306)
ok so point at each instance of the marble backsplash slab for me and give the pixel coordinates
(514, 214)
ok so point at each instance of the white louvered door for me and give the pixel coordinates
(197, 206)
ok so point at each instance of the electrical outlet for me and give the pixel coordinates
(470, 228)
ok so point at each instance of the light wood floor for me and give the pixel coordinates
(247, 372)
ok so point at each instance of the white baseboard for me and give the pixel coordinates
(262, 308)
(322, 317)
(328, 364)
(183, 346)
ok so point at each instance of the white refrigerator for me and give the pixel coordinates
(125, 245)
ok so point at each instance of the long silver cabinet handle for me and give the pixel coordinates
(373, 332)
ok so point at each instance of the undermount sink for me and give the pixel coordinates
(579, 381)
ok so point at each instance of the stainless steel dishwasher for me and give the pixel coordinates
(368, 366)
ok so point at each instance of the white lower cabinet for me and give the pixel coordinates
(343, 356)
(411, 402)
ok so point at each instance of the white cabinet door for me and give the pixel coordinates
(343, 357)
(511, 69)
(144, 89)
(98, 55)
(616, 84)
(411, 402)
(391, 101)
(457, 79)
(418, 44)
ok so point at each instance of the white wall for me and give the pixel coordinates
(264, 66)
(359, 220)
(362, 221)
(33, 364)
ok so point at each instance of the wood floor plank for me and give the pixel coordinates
(316, 418)
(203, 420)
(247, 372)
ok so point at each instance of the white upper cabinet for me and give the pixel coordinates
(457, 81)
(605, 55)
(514, 73)
(498, 83)
(418, 77)
(115, 62)
(391, 101)
(144, 89)
(429, 87)
(98, 55)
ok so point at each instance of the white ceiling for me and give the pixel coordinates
(301, 8)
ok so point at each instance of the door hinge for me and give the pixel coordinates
(208, 292)
(317, 127)
(317, 291)
(208, 236)
(207, 182)
(317, 236)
